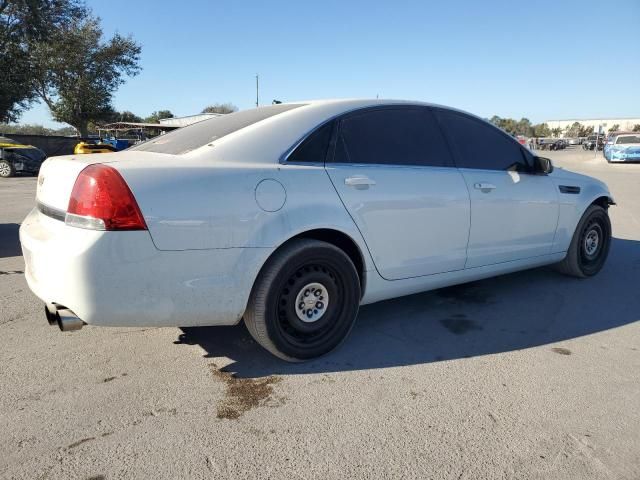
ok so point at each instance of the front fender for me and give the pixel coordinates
(573, 205)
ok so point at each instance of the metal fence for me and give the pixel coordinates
(52, 145)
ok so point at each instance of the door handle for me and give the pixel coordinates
(484, 187)
(360, 182)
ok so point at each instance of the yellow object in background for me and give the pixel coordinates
(84, 147)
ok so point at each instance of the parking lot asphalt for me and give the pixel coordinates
(529, 375)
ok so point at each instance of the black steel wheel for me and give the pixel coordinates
(305, 300)
(590, 244)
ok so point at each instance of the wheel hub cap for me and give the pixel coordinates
(591, 242)
(311, 302)
(4, 169)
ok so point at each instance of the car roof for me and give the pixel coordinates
(270, 139)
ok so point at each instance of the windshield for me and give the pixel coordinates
(194, 136)
(628, 139)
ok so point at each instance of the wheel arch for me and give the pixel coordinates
(604, 201)
(339, 239)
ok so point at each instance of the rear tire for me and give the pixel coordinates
(6, 169)
(305, 300)
(589, 246)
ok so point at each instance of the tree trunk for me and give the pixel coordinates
(83, 128)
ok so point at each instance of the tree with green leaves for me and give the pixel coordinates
(127, 116)
(585, 131)
(156, 116)
(25, 24)
(34, 129)
(574, 130)
(636, 127)
(78, 72)
(541, 130)
(615, 127)
(556, 132)
(220, 108)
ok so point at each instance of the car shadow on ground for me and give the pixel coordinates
(9, 240)
(501, 314)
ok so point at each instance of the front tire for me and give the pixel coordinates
(589, 246)
(305, 300)
(6, 169)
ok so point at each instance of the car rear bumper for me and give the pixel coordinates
(122, 279)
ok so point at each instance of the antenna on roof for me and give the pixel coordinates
(257, 90)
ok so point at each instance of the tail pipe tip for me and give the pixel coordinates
(66, 320)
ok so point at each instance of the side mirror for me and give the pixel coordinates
(544, 165)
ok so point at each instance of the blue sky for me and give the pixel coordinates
(542, 60)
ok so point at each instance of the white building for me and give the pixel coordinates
(188, 120)
(606, 123)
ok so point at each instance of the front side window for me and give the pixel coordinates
(197, 135)
(391, 136)
(482, 146)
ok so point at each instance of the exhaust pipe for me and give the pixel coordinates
(66, 320)
(51, 312)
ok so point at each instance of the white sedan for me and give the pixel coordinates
(291, 216)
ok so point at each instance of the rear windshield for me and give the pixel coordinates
(194, 136)
(628, 139)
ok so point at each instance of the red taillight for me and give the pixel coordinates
(102, 200)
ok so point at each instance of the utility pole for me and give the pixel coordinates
(257, 91)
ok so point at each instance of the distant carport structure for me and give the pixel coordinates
(141, 126)
(123, 134)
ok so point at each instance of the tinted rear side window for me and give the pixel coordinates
(392, 136)
(480, 145)
(314, 148)
(194, 136)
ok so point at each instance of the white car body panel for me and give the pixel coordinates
(217, 213)
(407, 208)
(121, 279)
(513, 219)
(572, 206)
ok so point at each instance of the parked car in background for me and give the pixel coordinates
(291, 216)
(543, 143)
(593, 141)
(558, 145)
(17, 158)
(573, 141)
(622, 147)
(522, 140)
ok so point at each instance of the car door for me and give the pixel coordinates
(394, 174)
(514, 210)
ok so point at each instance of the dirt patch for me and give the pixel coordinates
(561, 351)
(243, 394)
(459, 324)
